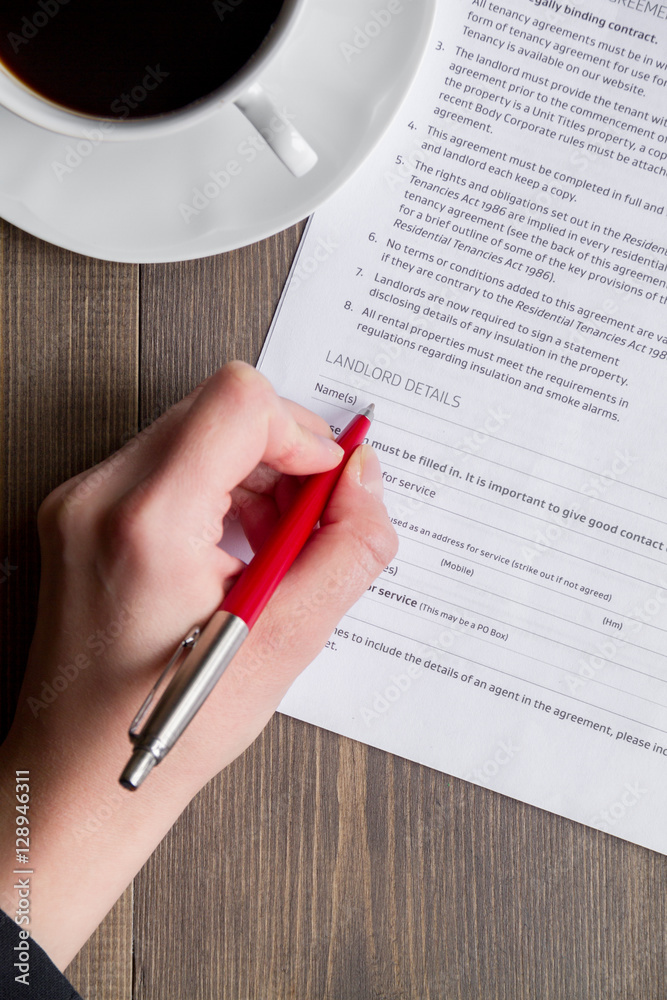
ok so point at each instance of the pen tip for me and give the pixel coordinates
(368, 411)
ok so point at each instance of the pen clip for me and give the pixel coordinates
(184, 647)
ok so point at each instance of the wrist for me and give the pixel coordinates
(88, 837)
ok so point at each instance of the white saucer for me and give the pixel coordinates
(342, 75)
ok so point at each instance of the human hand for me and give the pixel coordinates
(129, 564)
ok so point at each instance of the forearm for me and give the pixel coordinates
(87, 837)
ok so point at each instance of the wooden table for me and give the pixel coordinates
(314, 868)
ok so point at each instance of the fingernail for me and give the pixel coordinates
(370, 473)
(330, 445)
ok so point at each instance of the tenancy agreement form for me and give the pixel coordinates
(495, 280)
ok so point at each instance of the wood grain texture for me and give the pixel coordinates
(69, 333)
(317, 867)
(199, 314)
(314, 867)
(68, 343)
(103, 968)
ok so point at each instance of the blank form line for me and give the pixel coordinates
(530, 541)
(522, 628)
(529, 581)
(535, 659)
(563, 523)
(506, 673)
(492, 437)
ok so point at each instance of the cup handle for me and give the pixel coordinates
(289, 145)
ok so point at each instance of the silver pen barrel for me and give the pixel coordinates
(184, 695)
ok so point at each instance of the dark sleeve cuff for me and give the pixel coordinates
(26, 971)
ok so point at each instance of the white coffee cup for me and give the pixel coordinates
(244, 90)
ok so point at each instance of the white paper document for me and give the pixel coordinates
(494, 279)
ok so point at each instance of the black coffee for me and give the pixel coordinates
(130, 58)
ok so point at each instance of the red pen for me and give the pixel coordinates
(205, 653)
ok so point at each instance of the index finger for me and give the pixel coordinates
(234, 423)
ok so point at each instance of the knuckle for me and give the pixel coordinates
(290, 452)
(241, 378)
(64, 520)
(238, 369)
(54, 516)
(64, 510)
(126, 530)
(374, 547)
(244, 388)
